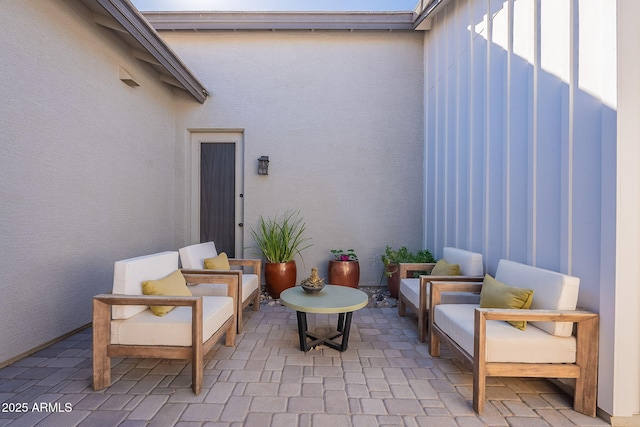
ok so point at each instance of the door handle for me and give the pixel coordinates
(240, 225)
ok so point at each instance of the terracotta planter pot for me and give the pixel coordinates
(393, 281)
(344, 273)
(279, 276)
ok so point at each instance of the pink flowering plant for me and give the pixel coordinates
(341, 255)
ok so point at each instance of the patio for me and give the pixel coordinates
(386, 377)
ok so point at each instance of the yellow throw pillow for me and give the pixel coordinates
(443, 268)
(172, 285)
(495, 294)
(221, 262)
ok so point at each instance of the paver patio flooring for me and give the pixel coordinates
(385, 378)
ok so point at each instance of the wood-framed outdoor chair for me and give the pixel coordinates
(194, 257)
(558, 340)
(414, 293)
(125, 326)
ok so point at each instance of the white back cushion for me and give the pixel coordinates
(193, 256)
(551, 291)
(129, 274)
(470, 262)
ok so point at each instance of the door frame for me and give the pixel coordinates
(197, 138)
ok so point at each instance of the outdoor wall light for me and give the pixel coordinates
(263, 165)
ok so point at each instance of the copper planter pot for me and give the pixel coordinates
(279, 276)
(344, 273)
(393, 279)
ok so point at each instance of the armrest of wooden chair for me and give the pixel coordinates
(218, 276)
(464, 280)
(406, 267)
(255, 264)
(195, 276)
(232, 278)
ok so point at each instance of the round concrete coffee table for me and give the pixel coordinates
(332, 299)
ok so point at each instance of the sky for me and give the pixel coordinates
(275, 5)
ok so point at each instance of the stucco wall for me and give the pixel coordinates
(521, 150)
(86, 168)
(339, 114)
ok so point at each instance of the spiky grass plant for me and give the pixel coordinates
(281, 239)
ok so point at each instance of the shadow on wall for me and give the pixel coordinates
(517, 151)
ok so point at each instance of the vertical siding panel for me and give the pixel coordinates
(478, 112)
(431, 76)
(552, 105)
(496, 74)
(520, 106)
(440, 138)
(532, 163)
(449, 171)
(585, 216)
(462, 125)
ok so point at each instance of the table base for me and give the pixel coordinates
(344, 325)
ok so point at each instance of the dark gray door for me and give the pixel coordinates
(217, 195)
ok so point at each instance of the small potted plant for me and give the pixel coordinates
(279, 241)
(344, 268)
(392, 257)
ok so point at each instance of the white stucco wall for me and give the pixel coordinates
(520, 133)
(339, 114)
(86, 168)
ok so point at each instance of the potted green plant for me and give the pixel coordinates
(392, 257)
(280, 240)
(344, 268)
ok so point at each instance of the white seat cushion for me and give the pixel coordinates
(249, 284)
(504, 342)
(193, 256)
(470, 262)
(129, 274)
(145, 328)
(410, 288)
(551, 291)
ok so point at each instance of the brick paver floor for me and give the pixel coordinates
(385, 378)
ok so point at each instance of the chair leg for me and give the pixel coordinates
(479, 361)
(256, 301)
(479, 387)
(422, 326)
(434, 344)
(197, 349)
(239, 319)
(402, 307)
(101, 339)
(586, 392)
(197, 372)
(230, 336)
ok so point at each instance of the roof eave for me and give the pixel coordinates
(134, 23)
(238, 21)
(425, 11)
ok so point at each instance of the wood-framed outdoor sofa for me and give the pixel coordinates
(549, 347)
(192, 259)
(124, 326)
(414, 293)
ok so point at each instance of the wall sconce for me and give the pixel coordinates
(263, 165)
